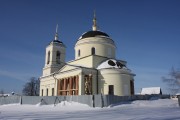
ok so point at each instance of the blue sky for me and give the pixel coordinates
(146, 33)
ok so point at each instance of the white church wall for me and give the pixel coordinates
(101, 45)
(98, 60)
(67, 68)
(50, 69)
(47, 83)
(120, 81)
(69, 73)
(84, 62)
(53, 49)
(51, 64)
(89, 62)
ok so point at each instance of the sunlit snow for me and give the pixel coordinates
(162, 109)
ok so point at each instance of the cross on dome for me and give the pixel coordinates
(94, 27)
(56, 35)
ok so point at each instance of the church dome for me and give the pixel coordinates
(93, 34)
(94, 42)
(57, 42)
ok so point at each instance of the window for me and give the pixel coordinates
(42, 92)
(93, 51)
(79, 53)
(58, 57)
(47, 92)
(48, 59)
(52, 91)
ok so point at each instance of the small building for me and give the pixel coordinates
(95, 69)
(151, 91)
(4, 95)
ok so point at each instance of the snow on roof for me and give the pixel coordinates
(151, 90)
(111, 63)
(4, 95)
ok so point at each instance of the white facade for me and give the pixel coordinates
(95, 69)
(103, 46)
(55, 57)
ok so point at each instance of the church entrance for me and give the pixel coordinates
(111, 89)
(68, 86)
(132, 86)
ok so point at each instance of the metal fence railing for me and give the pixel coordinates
(91, 100)
(179, 100)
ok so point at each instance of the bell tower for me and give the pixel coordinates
(55, 55)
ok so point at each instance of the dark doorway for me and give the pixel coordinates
(52, 91)
(132, 87)
(111, 89)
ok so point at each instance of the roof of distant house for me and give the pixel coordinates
(151, 90)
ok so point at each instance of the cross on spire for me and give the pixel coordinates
(56, 35)
(94, 27)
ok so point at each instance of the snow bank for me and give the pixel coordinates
(148, 103)
(140, 110)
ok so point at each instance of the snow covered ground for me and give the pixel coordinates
(162, 109)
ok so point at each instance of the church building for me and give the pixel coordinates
(95, 69)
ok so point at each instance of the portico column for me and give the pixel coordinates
(64, 87)
(77, 84)
(58, 87)
(70, 86)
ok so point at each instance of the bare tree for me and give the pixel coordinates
(173, 81)
(31, 88)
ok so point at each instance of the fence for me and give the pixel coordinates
(9, 100)
(179, 99)
(91, 100)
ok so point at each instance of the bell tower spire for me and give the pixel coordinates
(94, 27)
(56, 34)
(55, 55)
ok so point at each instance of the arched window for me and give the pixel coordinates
(47, 92)
(58, 57)
(79, 53)
(52, 91)
(42, 92)
(48, 57)
(93, 51)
